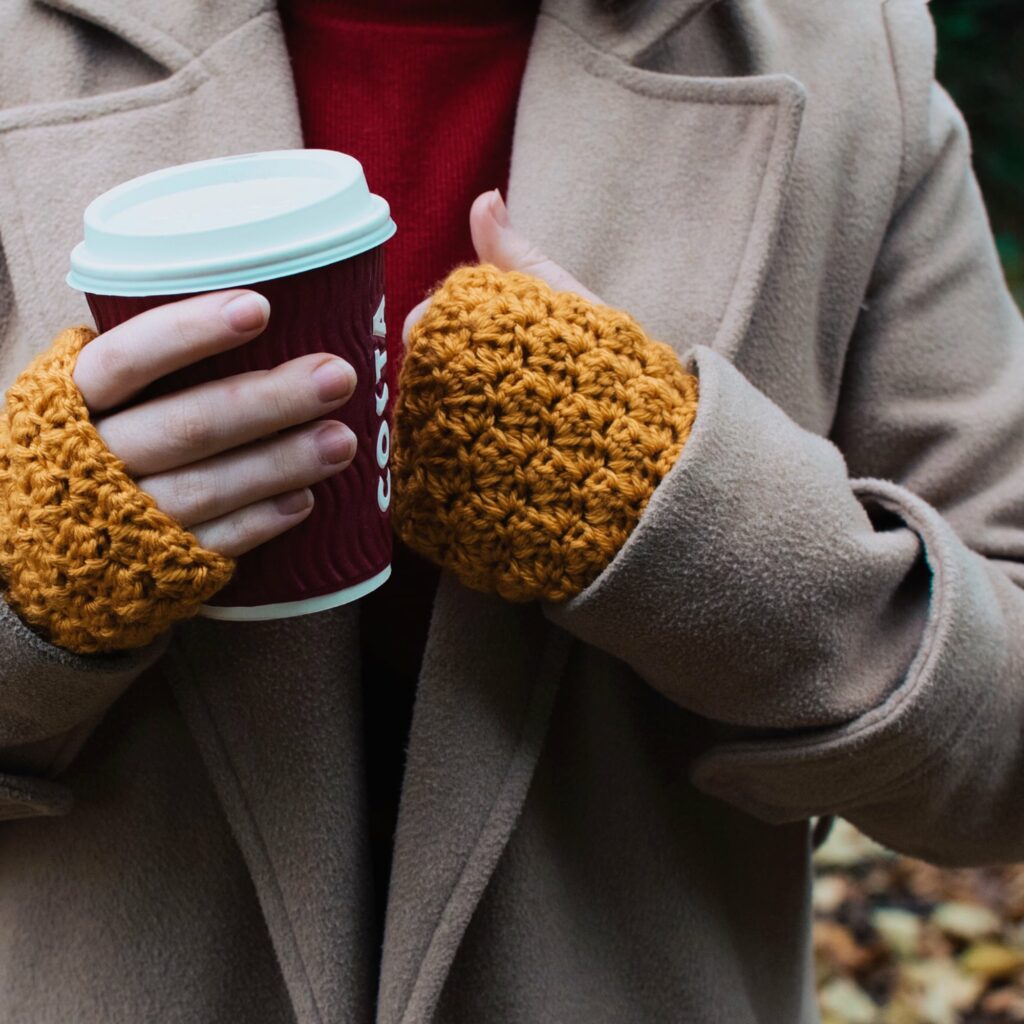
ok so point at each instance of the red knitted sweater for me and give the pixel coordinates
(423, 93)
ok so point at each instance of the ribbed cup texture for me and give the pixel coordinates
(346, 539)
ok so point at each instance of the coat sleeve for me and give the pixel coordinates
(50, 697)
(850, 610)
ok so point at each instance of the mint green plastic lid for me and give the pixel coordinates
(229, 221)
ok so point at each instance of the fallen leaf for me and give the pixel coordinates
(968, 921)
(829, 892)
(943, 990)
(991, 961)
(837, 945)
(842, 999)
(900, 1010)
(900, 930)
(846, 845)
(1005, 1001)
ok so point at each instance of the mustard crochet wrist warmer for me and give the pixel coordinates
(88, 559)
(531, 428)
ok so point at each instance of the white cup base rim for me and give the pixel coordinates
(289, 609)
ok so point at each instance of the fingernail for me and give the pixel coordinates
(336, 443)
(499, 211)
(246, 312)
(294, 501)
(334, 379)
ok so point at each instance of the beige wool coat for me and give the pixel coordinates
(607, 809)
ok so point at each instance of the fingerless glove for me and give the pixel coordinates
(87, 558)
(531, 429)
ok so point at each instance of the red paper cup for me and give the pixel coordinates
(342, 550)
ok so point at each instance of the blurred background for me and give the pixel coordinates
(981, 63)
(898, 941)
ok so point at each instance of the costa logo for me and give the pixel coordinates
(380, 358)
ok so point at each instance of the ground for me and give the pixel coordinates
(898, 941)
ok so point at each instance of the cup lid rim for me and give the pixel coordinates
(341, 218)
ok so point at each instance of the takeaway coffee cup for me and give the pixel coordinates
(302, 228)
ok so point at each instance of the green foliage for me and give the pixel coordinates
(981, 63)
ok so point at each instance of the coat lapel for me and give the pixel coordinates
(619, 193)
(489, 678)
(661, 192)
(273, 707)
(57, 156)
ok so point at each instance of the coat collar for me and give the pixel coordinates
(628, 31)
(619, 194)
(170, 33)
(173, 33)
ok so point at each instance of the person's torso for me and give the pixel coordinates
(727, 179)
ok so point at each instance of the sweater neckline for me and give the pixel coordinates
(421, 13)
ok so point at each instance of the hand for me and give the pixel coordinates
(204, 453)
(497, 242)
(533, 421)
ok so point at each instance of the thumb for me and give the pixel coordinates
(497, 242)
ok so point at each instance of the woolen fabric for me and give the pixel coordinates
(88, 558)
(531, 428)
(606, 809)
(423, 93)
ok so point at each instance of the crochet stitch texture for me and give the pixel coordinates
(87, 558)
(531, 429)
